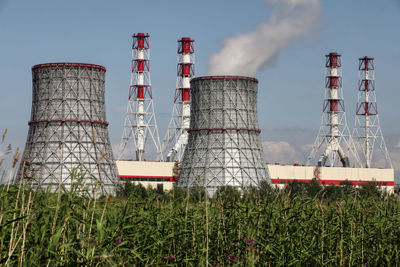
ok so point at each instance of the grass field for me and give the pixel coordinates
(303, 225)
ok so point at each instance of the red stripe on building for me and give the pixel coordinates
(78, 121)
(332, 182)
(224, 129)
(225, 78)
(72, 65)
(136, 177)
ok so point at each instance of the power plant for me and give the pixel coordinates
(212, 140)
(68, 130)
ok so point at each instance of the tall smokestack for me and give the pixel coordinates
(140, 119)
(333, 137)
(367, 130)
(177, 132)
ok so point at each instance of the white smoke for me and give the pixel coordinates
(246, 53)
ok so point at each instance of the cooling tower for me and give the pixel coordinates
(224, 147)
(68, 130)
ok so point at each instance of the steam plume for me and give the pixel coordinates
(245, 54)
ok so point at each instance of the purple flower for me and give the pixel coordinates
(232, 258)
(117, 240)
(250, 241)
(172, 257)
(131, 244)
(257, 250)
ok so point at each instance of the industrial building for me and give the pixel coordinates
(280, 175)
(154, 174)
(164, 174)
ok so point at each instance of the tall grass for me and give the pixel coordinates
(251, 228)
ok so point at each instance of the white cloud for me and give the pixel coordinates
(280, 152)
(395, 157)
(397, 145)
(306, 149)
(379, 160)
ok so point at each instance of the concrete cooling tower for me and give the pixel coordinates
(224, 147)
(68, 130)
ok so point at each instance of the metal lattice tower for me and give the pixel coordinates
(177, 134)
(140, 120)
(367, 131)
(68, 130)
(224, 146)
(333, 143)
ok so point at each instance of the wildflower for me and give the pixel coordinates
(250, 241)
(172, 257)
(131, 244)
(257, 250)
(232, 258)
(117, 240)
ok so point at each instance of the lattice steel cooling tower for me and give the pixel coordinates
(224, 147)
(68, 129)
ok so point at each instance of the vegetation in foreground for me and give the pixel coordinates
(303, 225)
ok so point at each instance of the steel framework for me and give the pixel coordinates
(334, 143)
(140, 120)
(367, 131)
(177, 132)
(68, 130)
(224, 147)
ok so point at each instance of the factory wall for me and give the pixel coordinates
(148, 173)
(283, 174)
(151, 173)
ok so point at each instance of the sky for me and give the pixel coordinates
(291, 79)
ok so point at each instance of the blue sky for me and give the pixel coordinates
(290, 90)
